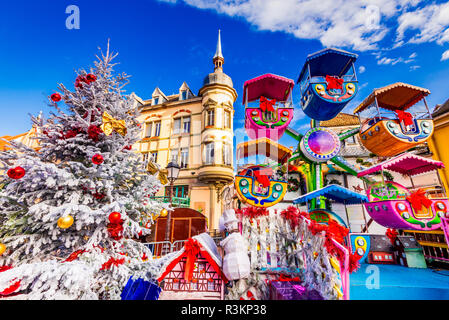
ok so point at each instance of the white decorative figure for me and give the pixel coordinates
(236, 263)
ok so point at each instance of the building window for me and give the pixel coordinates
(177, 126)
(149, 128)
(175, 156)
(210, 117)
(226, 154)
(178, 191)
(155, 101)
(186, 125)
(210, 153)
(184, 95)
(184, 158)
(145, 157)
(154, 156)
(157, 128)
(227, 119)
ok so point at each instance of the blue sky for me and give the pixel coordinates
(163, 43)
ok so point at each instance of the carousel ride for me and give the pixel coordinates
(390, 125)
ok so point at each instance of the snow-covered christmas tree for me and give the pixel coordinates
(70, 211)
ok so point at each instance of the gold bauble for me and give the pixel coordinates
(65, 222)
(2, 248)
(164, 212)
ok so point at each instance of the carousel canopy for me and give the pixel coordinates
(336, 193)
(269, 86)
(263, 146)
(396, 96)
(406, 163)
(330, 61)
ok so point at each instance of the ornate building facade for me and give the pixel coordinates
(196, 131)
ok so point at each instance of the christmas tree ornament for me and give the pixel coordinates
(16, 173)
(56, 97)
(93, 132)
(97, 159)
(2, 248)
(65, 222)
(91, 78)
(110, 124)
(115, 217)
(164, 213)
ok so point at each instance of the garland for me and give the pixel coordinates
(293, 184)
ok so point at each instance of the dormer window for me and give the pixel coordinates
(155, 101)
(184, 95)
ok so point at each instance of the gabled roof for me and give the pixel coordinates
(209, 251)
(396, 96)
(341, 120)
(408, 242)
(441, 109)
(158, 92)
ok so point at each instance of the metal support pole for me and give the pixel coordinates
(168, 226)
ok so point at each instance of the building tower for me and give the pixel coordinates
(218, 97)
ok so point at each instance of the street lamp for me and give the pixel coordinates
(172, 174)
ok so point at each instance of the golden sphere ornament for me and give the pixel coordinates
(164, 213)
(2, 248)
(65, 222)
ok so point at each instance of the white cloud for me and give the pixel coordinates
(445, 55)
(387, 61)
(352, 23)
(427, 24)
(413, 68)
(413, 55)
(362, 69)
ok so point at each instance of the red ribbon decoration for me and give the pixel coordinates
(418, 199)
(267, 105)
(108, 264)
(285, 278)
(74, 255)
(291, 214)
(115, 230)
(391, 234)
(334, 83)
(11, 289)
(405, 117)
(192, 248)
(263, 179)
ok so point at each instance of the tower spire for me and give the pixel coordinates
(218, 59)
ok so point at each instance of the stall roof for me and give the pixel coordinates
(263, 146)
(330, 61)
(336, 193)
(269, 86)
(407, 163)
(396, 96)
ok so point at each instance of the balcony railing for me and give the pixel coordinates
(176, 202)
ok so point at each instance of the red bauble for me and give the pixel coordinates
(91, 78)
(97, 159)
(94, 132)
(70, 134)
(115, 217)
(16, 173)
(56, 97)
